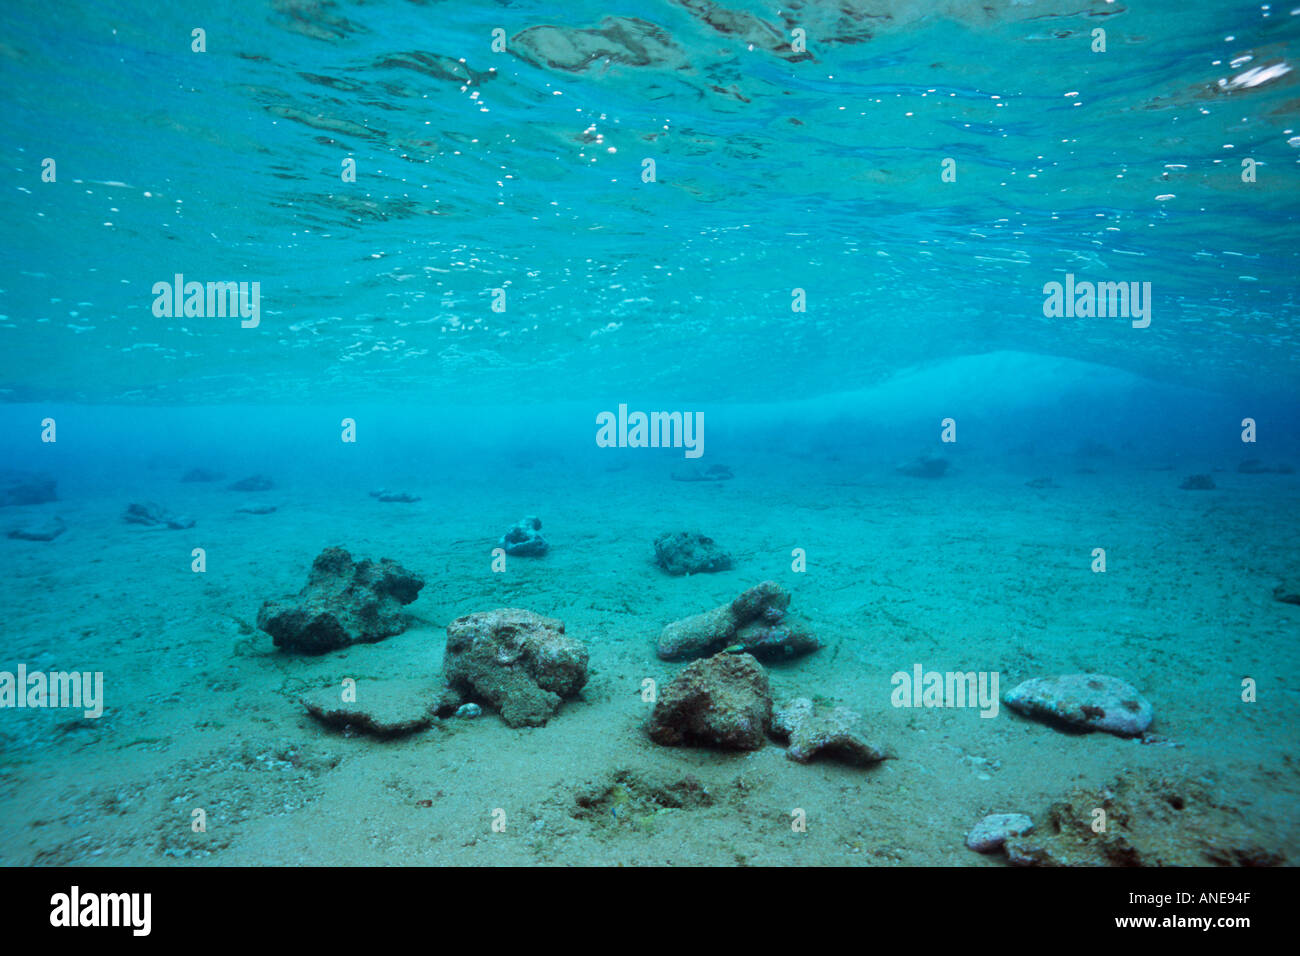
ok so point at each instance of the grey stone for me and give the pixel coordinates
(687, 552)
(1084, 702)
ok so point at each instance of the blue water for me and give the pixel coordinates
(461, 249)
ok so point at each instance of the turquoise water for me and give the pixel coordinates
(481, 170)
(470, 229)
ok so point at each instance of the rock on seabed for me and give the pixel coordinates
(722, 701)
(345, 602)
(1084, 702)
(520, 663)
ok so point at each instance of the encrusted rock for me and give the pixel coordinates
(344, 603)
(520, 663)
(525, 538)
(154, 515)
(721, 701)
(754, 623)
(1150, 821)
(383, 708)
(1084, 702)
(995, 829)
(20, 488)
(836, 734)
(685, 552)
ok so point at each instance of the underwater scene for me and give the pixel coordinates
(650, 433)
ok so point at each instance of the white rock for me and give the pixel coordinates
(1084, 701)
(991, 832)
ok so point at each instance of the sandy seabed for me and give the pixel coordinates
(972, 572)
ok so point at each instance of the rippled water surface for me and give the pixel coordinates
(522, 169)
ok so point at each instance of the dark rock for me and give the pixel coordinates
(721, 701)
(525, 539)
(518, 662)
(343, 603)
(836, 734)
(755, 623)
(401, 496)
(698, 473)
(202, 474)
(924, 467)
(684, 552)
(256, 510)
(154, 515)
(1198, 483)
(1288, 591)
(17, 488)
(39, 531)
(1041, 483)
(252, 483)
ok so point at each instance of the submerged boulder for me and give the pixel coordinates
(154, 515)
(344, 603)
(836, 734)
(722, 701)
(1084, 702)
(20, 488)
(520, 663)
(686, 552)
(754, 623)
(1198, 483)
(525, 538)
